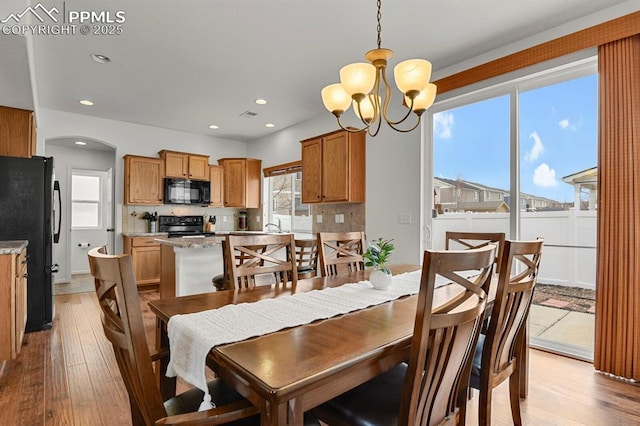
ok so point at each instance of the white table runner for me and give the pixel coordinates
(192, 336)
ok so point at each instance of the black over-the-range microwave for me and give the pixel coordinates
(186, 191)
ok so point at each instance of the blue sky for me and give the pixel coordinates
(558, 137)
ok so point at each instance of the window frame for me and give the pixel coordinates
(98, 203)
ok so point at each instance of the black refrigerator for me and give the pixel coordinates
(27, 189)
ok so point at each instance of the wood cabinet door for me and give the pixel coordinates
(143, 180)
(235, 171)
(146, 264)
(312, 171)
(176, 165)
(335, 167)
(17, 132)
(217, 186)
(198, 167)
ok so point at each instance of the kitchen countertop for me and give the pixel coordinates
(191, 242)
(144, 234)
(12, 247)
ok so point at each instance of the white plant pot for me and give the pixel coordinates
(380, 279)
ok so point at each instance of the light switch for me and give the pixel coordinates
(341, 218)
(337, 218)
(318, 218)
(224, 218)
(404, 219)
(258, 219)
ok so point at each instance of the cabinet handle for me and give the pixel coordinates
(26, 275)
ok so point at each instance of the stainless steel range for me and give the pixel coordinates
(182, 226)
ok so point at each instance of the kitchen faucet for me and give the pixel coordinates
(278, 226)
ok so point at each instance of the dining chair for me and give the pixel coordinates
(307, 258)
(340, 252)
(123, 326)
(261, 260)
(431, 389)
(500, 351)
(458, 240)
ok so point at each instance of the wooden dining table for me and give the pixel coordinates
(293, 370)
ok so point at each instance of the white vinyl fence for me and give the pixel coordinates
(569, 254)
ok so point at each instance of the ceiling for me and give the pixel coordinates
(186, 65)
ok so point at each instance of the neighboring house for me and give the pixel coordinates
(461, 195)
(585, 186)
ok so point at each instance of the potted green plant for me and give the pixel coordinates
(377, 256)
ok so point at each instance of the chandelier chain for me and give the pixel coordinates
(379, 27)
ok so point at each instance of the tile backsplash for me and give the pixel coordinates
(132, 221)
(352, 215)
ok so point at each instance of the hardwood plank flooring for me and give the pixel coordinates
(68, 376)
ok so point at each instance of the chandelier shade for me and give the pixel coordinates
(366, 86)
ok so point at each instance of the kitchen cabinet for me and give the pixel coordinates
(333, 168)
(145, 256)
(216, 178)
(185, 165)
(13, 298)
(241, 182)
(17, 132)
(143, 180)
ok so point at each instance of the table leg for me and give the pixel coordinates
(287, 413)
(167, 385)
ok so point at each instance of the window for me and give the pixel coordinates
(284, 204)
(85, 199)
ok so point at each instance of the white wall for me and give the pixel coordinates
(393, 178)
(64, 160)
(128, 138)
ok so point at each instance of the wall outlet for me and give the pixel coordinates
(224, 218)
(318, 218)
(337, 218)
(258, 219)
(404, 219)
(341, 218)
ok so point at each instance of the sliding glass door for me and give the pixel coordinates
(520, 158)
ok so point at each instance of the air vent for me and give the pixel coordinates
(248, 114)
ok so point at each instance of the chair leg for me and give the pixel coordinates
(514, 397)
(484, 405)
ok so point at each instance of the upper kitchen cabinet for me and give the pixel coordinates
(333, 168)
(143, 180)
(216, 179)
(241, 182)
(17, 132)
(185, 165)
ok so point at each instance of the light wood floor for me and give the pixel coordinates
(68, 376)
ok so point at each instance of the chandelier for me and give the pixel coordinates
(360, 84)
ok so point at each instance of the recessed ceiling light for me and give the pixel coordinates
(80, 143)
(269, 125)
(261, 101)
(214, 126)
(102, 59)
(86, 102)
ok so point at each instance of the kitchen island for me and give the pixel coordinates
(188, 264)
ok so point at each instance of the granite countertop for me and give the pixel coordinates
(144, 234)
(191, 242)
(12, 247)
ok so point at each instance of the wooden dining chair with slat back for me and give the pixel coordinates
(455, 240)
(431, 389)
(123, 326)
(265, 259)
(340, 252)
(307, 258)
(500, 350)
